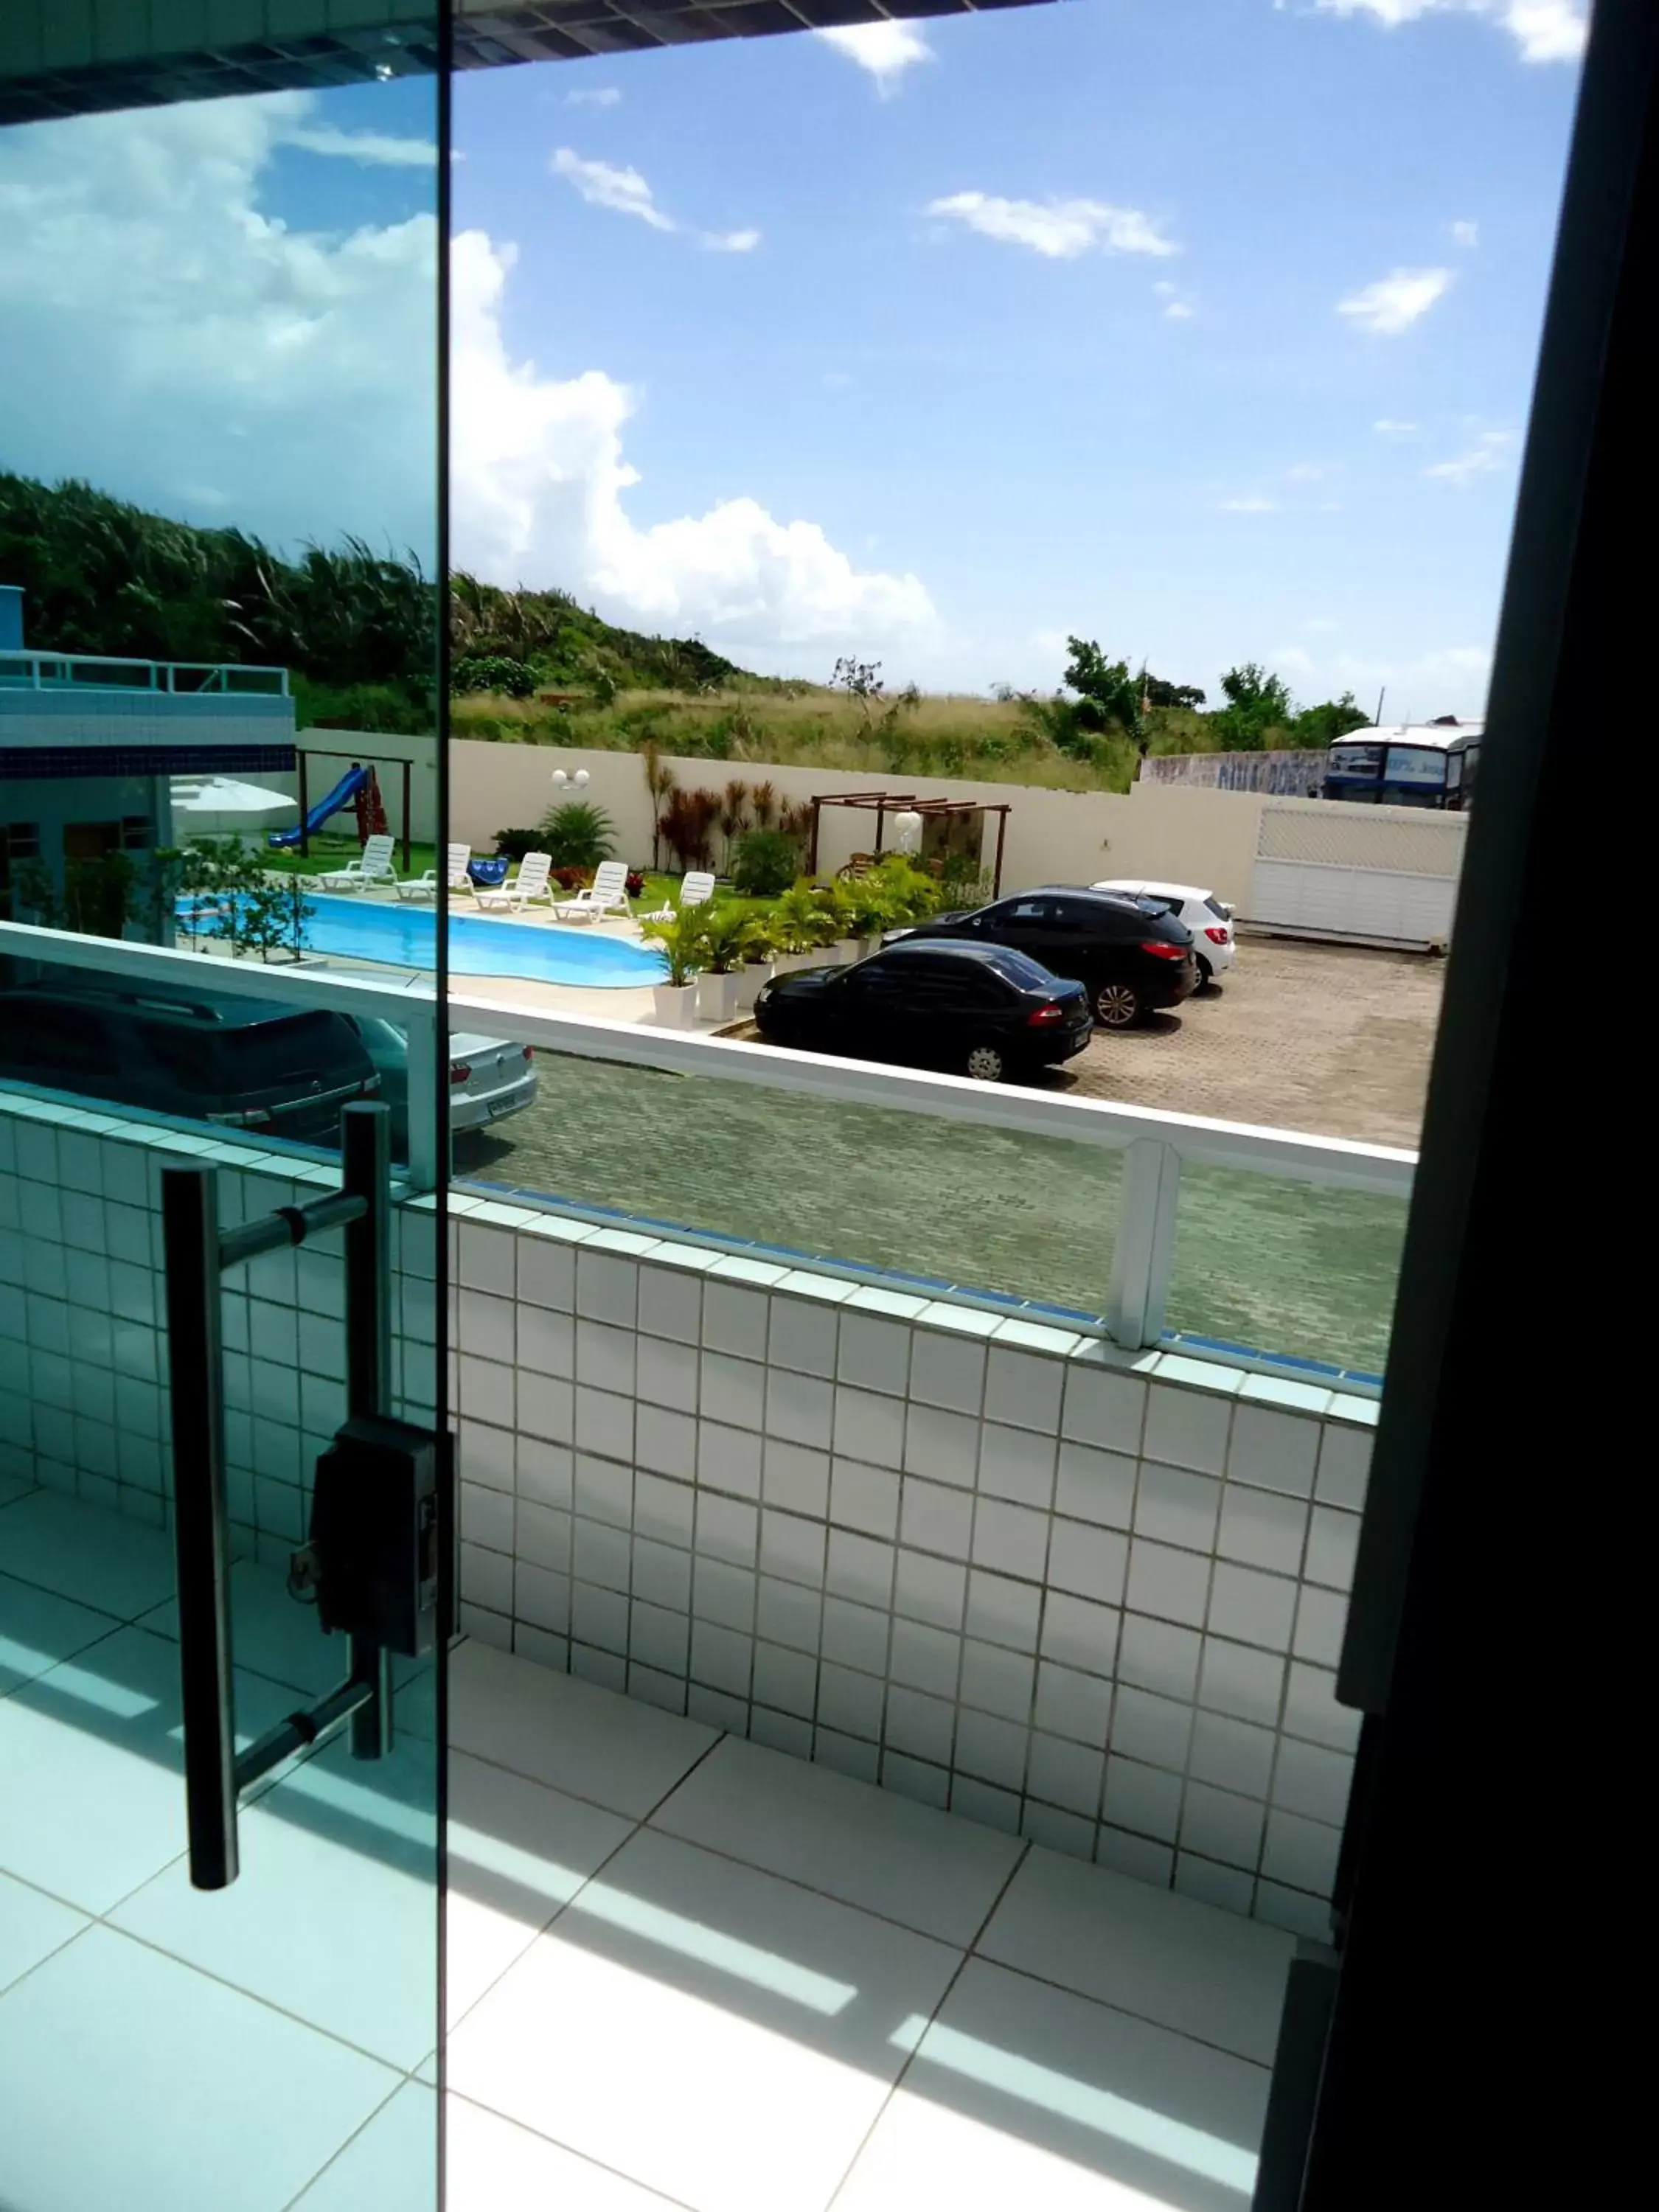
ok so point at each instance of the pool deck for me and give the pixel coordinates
(608, 1004)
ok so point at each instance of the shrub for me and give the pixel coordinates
(763, 863)
(492, 672)
(578, 835)
(514, 844)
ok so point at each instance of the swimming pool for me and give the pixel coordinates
(406, 937)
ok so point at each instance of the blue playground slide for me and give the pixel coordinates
(342, 795)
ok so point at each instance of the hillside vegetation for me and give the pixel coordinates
(356, 630)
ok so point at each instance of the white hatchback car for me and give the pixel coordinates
(1209, 919)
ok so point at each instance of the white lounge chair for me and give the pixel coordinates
(529, 883)
(374, 866)
(455, 876)
(606, 894)
(696, 889)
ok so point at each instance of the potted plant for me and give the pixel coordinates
(680, 936)
(724, 931)
(759, 963)
(803, 924)
(868, 905)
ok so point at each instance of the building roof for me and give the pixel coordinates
(162, 52)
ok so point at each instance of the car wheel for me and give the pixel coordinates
(1117, 1004)
(1205, 973)
(988, 1062)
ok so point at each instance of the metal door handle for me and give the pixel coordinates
(197, 1254)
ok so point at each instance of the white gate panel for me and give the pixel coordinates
(1337, 902)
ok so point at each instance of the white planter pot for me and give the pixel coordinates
(677, 1005)
(786, 963)
(749, 979)
(717, 997)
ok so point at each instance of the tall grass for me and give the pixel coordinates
(944, 734)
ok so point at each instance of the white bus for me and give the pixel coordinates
(1407, 764)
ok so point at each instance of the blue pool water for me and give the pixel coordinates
(405, 937)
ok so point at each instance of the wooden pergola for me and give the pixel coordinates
(883, 803)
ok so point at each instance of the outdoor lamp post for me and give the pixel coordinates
(561, 780)
(906, 831)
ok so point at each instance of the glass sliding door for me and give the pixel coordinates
(223, 1509)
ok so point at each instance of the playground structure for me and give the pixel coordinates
(359, 787)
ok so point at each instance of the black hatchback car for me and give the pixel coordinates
(971, 1009)
(1129, 955)
(234, 1061)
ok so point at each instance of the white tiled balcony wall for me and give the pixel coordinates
(1091, 1597)
(84, 1403)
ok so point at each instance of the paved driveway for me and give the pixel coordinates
(1299, 1036)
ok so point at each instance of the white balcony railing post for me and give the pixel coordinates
(1146, 1243)
(423, 1027)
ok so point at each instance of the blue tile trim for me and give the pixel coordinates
(25, 763)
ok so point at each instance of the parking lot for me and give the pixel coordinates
(1321, 1037)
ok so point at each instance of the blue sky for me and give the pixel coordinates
(1080, 317)
(1032, 436)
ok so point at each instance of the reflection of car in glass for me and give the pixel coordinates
(1129, 955)
(974, 1009)
(1209, 919)
(234, 1061)
(489, 1078)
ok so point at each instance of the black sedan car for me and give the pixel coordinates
(1129, 955)
(971, 1009)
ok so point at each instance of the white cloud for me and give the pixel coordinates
(1252, 503)
(625, 191)
(1308, 473)
(1547, 30)
(602, 184)
(1386, 427)
(1486, 457)
(168, 339)
(538, 483)
(371, 147)
(1543, 30)
(1060, 230)
(1395, 301)
(1465, 233)
(1292, 660)
(1179, 306)
(598, 95)
(886, 50)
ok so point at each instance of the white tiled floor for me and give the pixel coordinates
(784, 1990)
(683, 1971)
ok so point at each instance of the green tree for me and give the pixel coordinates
(1109, 694)
(1333, 718)
(1257, 702)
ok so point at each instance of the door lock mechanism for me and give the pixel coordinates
(372, 1558)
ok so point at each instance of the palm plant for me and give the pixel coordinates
(727, 931)
(763, 804)
(804, 918)
(681, 937)
(578, 835)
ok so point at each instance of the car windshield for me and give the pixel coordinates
(1216, 908)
